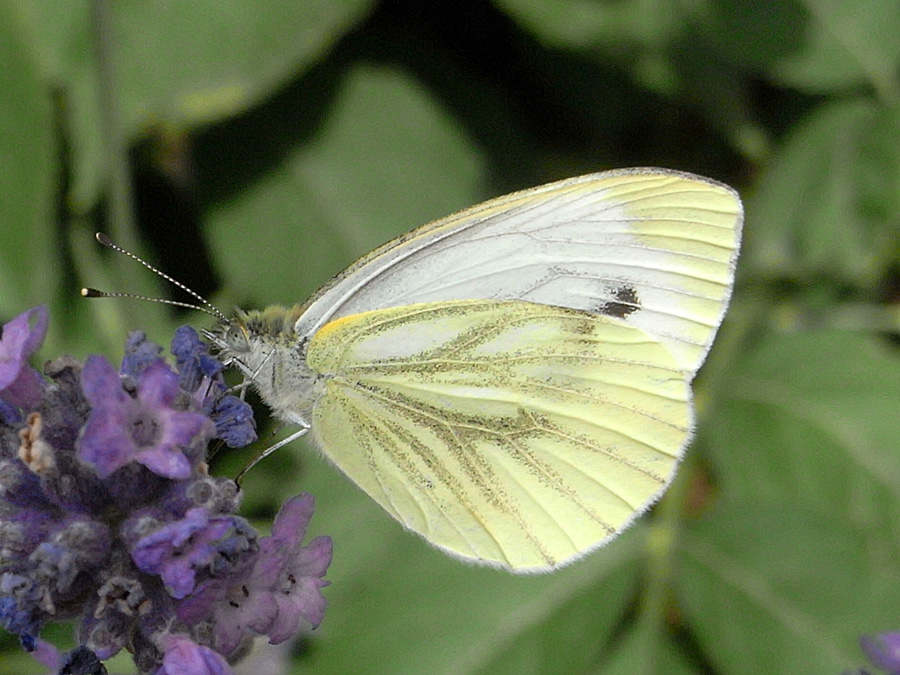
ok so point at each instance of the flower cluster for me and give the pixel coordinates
(109, 517)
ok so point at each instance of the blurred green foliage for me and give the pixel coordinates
(254, 148)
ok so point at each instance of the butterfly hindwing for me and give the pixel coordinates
(514, 433)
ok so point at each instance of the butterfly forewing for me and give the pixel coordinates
(654, 248)
(512, 433)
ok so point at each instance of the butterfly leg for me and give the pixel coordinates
(272, 448)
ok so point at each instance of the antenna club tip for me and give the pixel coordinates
(103, 239)
(91, 293)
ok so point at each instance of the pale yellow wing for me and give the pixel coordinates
(653, 247)
(511, 433)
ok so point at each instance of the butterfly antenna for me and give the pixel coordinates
(206, 306)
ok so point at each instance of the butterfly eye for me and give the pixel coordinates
(236, 339)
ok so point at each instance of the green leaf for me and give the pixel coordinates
(645, 649)
(780, 589)
(193, 62)
(810, 420)
(756, 34)
(829, 205)
(27, 172)
(178, 63)
(817, 46)
(631, 50)
(386, 160)
(586, 24)
(846, 43)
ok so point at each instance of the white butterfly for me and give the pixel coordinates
(512, 382)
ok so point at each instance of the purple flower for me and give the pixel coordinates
(139, 353)
(69, 555)
(192, 359)
(283, 587)
(109, 517)
(185, 657)
(883, 651)
(201, 373)
(290, 572)
(197, 542)
(145, 428)
(21, 611)
(20, 384)
(45, 654)
(234, 421)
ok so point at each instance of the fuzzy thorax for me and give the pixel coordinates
(272, 356)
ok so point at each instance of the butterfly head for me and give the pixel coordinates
(247, 337)
(265, 347)
(230, 338)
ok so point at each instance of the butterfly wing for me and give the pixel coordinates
(652, 247)
(511, 433)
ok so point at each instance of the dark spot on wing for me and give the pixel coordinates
(625, 302)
